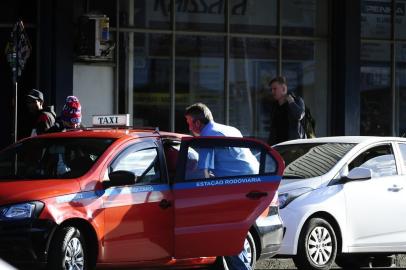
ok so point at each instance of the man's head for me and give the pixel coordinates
(279, 88)
(197, 117)
(71, 112)
(34, 100)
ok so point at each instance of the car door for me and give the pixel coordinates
(375, 217)
(221, 186)
(139, 217)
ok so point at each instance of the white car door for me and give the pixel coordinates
(375, 209)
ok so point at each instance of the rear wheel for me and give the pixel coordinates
(67, 251)
(249, 255)
(317, 247)
(250, 251)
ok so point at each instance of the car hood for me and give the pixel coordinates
(287, 185)
(31, 190)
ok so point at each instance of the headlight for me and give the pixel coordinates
(286, 198)
(21, 210)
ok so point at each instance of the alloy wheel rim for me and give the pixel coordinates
(74, 257)
(247, 253)
(319, 245)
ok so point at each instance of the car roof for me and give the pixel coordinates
(114, 133)
(345, 139)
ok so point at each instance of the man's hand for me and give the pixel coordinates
(289, 98)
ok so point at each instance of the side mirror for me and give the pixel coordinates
(359, 173)
(120, 178)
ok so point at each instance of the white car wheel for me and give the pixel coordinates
(317, 247)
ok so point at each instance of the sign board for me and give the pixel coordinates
(114, 120)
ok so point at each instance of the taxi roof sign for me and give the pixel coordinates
(113, 120)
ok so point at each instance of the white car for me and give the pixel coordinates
(343, 199)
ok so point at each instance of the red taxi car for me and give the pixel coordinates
(112, 197)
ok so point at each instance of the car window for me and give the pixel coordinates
(143, 163)
(215, 162)
(40, 158)
(380, 160)
(402, 147)
(306, 160)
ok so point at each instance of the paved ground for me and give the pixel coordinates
(287, 264)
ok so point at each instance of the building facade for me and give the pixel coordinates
(344, 57)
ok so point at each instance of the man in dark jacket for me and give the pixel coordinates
(286, 113)
(43, 117)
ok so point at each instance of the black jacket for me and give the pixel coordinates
(296, 112)
(44, 120)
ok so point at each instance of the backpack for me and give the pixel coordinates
(309, 124)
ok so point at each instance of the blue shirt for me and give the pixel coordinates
(215, 129)
(226, 161)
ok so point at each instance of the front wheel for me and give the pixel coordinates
(317, 247)
(67, 251)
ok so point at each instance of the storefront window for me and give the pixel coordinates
(148, 14)
(376, 18)
(150, 69)
(254, 34)
(376, 95)
(305, 69)
(203, 15)
(199, 75)
(401, 86)
(253, 16)
(400, 19)
(304, 17)
(253, 64)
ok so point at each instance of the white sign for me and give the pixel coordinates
(115, 120)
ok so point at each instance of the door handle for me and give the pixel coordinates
(255, 195)
(395, 188)
(165, 204)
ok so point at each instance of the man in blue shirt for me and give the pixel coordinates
(218, 162)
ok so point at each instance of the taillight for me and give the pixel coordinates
(274, 206)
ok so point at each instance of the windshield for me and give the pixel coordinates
(308, 160)
(51, 158)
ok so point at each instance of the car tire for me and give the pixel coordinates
(352, 261)
(67, 250)
(249, 250)
(317, 247)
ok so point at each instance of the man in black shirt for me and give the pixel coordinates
(286, 112)
(43, 116)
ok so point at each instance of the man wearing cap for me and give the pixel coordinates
(71, 116)
(44, 117)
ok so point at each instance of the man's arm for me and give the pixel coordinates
(44, 122)
(296, 107)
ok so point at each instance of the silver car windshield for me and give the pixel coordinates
(308, 160)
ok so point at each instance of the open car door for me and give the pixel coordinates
(222, 185)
